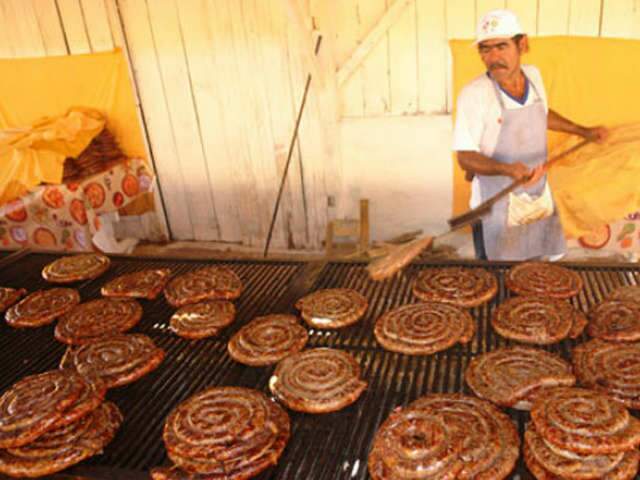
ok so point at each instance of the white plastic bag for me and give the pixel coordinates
(523, 209)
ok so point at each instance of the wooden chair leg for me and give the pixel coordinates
(328, 240)
(364, 225)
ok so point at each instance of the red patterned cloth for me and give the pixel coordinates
(65, 217)
(621, 236)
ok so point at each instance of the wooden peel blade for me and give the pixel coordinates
(387, 266)
(400, 257)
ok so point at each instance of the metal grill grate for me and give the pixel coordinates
(322, 447)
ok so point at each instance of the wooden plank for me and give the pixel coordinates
(527, 12)
(461, 24)
(282, 114)
(153, 225)
(298, 13)
(584, 17)
(461, 19)
(621, 18)
(208, 89)
(259, 139)
(432, 56)
(375, 66)
(74, 26)
(325, 146)
(393, 13)
(23, 28)
(291, 217)
(6, 48)
(117, 33)
(50, 25)
(145, 65)
(321, 13)
(344, 16)
(347, 36)
(484, 6)
(314, 158)
(236, 108)
(176, 80)
(403, 68)
(96, 19)
(323, 66)
(553, 17)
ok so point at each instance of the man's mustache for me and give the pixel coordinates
(497, 65)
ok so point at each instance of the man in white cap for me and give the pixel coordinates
(500, 136)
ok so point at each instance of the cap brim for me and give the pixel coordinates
(496, 37)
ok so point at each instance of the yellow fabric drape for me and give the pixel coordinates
(41, 91)
(599, 183)
(37, 154)
(592, 81)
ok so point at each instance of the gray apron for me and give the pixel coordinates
(522, 138)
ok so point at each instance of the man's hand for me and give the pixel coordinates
(596, 134)
(536, 174)
(519, 171)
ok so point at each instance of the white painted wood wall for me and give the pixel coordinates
(219, 82)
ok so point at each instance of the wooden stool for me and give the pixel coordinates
(356, 229)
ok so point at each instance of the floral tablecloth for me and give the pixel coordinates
(621, 236)
(66, 217)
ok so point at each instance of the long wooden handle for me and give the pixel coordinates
(561, 155)
(475, 214)
(292, 144)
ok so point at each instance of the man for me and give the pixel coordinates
(501, 136)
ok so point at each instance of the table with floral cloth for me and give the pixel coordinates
(66, 216)
(622, 236)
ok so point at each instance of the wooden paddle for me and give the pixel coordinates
(385, 267)
(397, 259)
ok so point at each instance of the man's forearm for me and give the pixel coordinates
(475, 163)
(558, 123)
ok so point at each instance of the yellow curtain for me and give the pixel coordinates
(592, 81)
(37, 154)
(598, 184)
(43, 93)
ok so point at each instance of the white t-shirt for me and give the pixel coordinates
(478, 115)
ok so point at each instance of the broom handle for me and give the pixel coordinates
(487, 204)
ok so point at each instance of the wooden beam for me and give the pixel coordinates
(370, 41)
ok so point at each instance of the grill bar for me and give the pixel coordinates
(322, 447)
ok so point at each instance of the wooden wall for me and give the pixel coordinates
(406, 72)
(219, 83)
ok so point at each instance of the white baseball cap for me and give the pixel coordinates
(498, 24)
